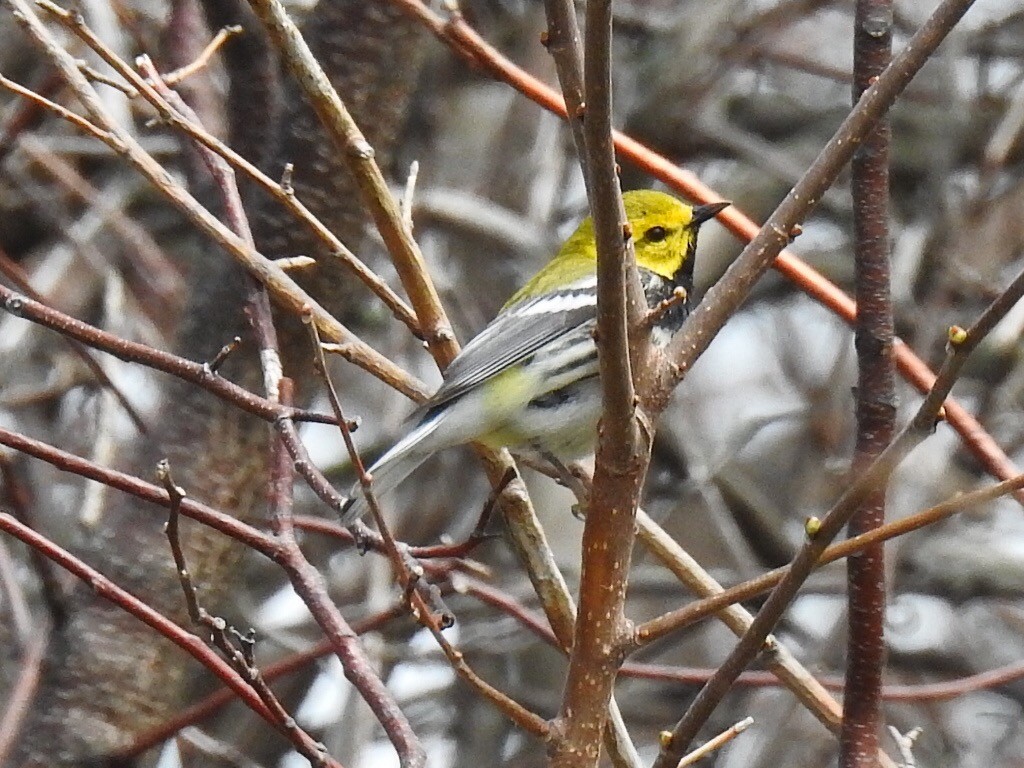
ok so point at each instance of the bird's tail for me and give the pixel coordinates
(391, 469)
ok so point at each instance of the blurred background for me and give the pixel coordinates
(760, 434)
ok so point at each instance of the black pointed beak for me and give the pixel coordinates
(702, 213)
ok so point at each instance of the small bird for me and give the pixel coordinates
(529, 380)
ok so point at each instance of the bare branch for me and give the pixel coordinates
(876, 396)
(872, 478)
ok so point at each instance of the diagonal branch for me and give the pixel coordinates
(465, 42)
(359, 157)
(185, 640)
(725, 297)
(962, 343)
(663, 625)
(102, 125)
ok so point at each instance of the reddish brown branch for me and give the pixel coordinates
(69, 462)
(236, 648)
(140, 610)
(876, 396)
(130, 351)
(217, 701)
(917, 692)
(465, 42)
(13, 272)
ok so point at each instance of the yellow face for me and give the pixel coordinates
(664, 233)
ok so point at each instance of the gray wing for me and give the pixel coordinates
(514, 335)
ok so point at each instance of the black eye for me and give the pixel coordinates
(655, 234)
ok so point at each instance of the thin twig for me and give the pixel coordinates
(289, 455)
(257, 305)
(236, 648)
(203, 59)
(424, 600)
(562, 39)
(359, 157)
(716, 743)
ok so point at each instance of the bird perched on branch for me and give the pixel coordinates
(529, 380)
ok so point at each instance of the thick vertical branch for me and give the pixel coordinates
(876, 409)
(623, 446)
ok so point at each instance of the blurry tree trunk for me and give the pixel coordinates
(107, 677)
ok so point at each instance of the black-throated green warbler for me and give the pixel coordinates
(529, 380)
